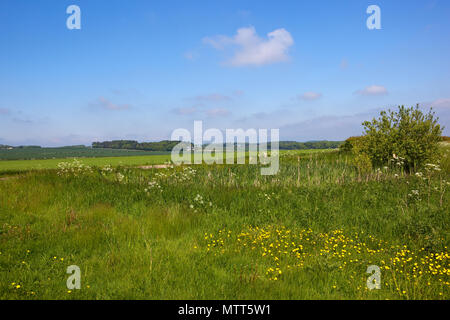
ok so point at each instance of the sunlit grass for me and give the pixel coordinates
(24, 165)
(204, 232)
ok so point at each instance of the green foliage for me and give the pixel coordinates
(361, 159)
(407, 133)
(164, 145)
(293, 145)
(168, 145)
(347, 146)
(28, 147)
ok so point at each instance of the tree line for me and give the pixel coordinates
(164, 145)
(293, 145)
(167, 145)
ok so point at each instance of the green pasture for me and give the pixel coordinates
(225, 231)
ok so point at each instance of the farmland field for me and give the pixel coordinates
(224, 232)
(69, 152)
(224, 159)
(14, 166)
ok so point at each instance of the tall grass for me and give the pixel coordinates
(194, 232)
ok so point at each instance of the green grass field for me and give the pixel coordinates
(14, 166)
(69, 152)
(224, 232)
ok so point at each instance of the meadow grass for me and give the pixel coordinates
(14, 166)
(70, 152)
(226, 232)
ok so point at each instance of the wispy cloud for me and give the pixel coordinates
(210, 105)
(442, 108)
(443, 103)
(252, 50)
(108, 105)
(344, 64)
(189, 55)
(244, 13)
(310, 96)
(327, 127)
(22, 120)
(201, 110)
(217, 112)
(4, 111)
(238, 93)
(186, 111)
(373, 90)
(214, 97)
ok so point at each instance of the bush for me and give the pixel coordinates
(348, 144)
(363, 163)
(408, 133)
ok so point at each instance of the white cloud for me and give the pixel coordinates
(373, 90)
(252, 49)
(309, 96)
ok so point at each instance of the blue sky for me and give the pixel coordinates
(140, 69)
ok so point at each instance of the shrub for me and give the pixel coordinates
(408, 133)
(348, 144)
(361, 159)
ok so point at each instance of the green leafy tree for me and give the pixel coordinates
(407, 132)
(348, 144)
